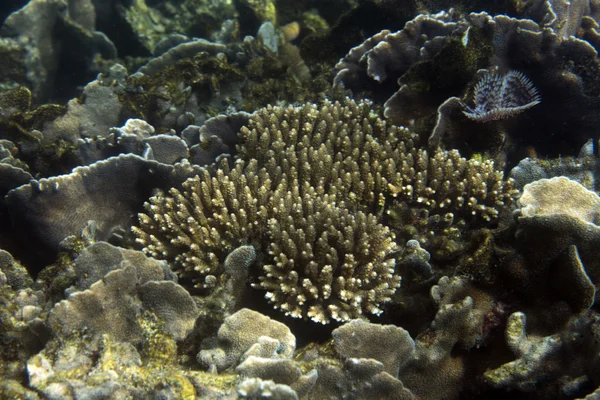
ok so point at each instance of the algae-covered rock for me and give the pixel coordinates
(22, 328)
(75, 369)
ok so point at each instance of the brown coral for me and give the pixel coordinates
(312, 189)
(328, 262)
(348, 152)
(198, 226)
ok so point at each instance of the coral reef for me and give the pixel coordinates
(35, 53)
(441, 55)
(561, 214)
(354, 340)
(242, 331)
(272, 199)
(42, 203)
(22, 312)
(582, 169)
(539, 356)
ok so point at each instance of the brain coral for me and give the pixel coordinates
(312, 189)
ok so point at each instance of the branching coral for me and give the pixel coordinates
(198, 226)
(328, 261)
(312, 189)
(350, 153)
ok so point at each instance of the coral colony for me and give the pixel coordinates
(216, 199)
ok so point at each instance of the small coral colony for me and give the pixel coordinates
(231, 199)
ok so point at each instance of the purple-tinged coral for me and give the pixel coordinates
(499, 97)
(114, 304)
(239, 333)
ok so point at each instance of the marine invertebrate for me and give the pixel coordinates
(347, 151)
(309, 189)
(435, 58)
(252, 388)
(580, 169)
(457, 324)
(358, 378)
(291, 31)
(196, 227)
(328, 262)
(36, 50)
(542, 359)
(560, 196)
(120, 184)
(239, 333)
(360, 339)
(497, 96)
(112, 304)
(78, 368)
(557, 236)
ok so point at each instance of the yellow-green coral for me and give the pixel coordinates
(111, 367)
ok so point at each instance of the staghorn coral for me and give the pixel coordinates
(198, 226)
(328, 262)
(349, 152)
(312, 189)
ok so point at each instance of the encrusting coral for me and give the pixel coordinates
(312, 189)
(558, 234)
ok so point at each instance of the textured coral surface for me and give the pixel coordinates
(312, 199)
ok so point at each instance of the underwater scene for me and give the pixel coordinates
(300, 199)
